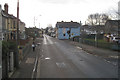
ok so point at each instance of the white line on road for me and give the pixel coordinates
(110, 62)
(34, 67)
(61, 65)
(79, 47)
(45, 41)
(38, 69)
(47, 58)
(50, 41)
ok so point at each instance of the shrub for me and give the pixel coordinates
(5, 47)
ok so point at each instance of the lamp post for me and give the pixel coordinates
(35, 19)
(96, 44)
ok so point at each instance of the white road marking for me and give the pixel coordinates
(35, 64)
(45, 41)
(79, 47)
(30, 60)
(105, 59)
(47, 58)
(61, 65)
(38, 69)
(110, 62)
(36, 61)
(114, 57)
(50, 41)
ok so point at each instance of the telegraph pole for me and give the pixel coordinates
(17, 55)
(34, 21)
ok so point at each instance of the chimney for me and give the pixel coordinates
(6, 8)
(80, 23)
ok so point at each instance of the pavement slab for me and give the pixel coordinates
(27, 65)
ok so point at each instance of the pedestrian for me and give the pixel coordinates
(33, 46)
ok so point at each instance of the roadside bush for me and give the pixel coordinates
(5, 47)
(12, 45)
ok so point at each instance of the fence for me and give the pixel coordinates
(24, 50)
(98, 43)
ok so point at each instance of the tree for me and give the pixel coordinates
(97, 19)
(90, 19)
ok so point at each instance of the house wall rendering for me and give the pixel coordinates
(67, 30)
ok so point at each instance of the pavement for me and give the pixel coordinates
(27, 67)
(23, 54)
(108, 55)
(0, 60)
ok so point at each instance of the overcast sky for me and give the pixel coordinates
(51, 11)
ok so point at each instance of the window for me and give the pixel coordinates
(14, 24)
(11, 35)
(63, 34)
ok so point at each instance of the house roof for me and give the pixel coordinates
(7, 15)
(93, 28)
(113, 22)
(112, 26)
(67, 24)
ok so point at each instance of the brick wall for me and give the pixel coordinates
(23, 42)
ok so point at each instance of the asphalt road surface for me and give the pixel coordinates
(59, 59)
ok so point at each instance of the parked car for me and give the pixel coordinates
(117, 39)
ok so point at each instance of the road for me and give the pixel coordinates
(59, 59)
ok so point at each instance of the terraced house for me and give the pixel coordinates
(8, 33)
(9, 25)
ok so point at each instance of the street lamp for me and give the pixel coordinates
(35, 19)
(96, 32)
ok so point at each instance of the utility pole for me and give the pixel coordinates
(17, 55)
(34, 21)
(39, 25)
